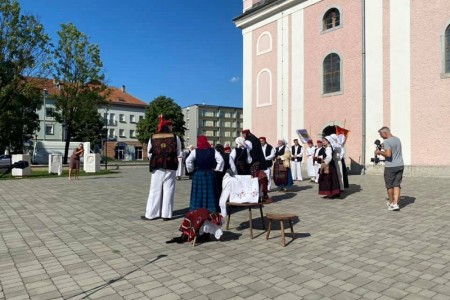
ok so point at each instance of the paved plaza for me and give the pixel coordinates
(85, 240)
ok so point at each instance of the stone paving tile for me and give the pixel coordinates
(54, 242)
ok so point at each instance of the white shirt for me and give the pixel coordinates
(191, 159)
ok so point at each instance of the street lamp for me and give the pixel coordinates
(45, 111)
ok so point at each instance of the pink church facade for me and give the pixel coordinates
(356, 64)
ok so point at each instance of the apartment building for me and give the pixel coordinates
(220, 124)
(121, 115)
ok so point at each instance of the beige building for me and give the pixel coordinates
(121, 115)
(220, 124)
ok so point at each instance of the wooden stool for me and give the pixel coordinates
(281, 218)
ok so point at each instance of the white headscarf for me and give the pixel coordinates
(283, 141)
(240, 142)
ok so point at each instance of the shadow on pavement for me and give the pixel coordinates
(179, 213)
(288, 236)
(352, 189)
(229, 236)
(405, 201)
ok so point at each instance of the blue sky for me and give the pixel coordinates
(188, 50)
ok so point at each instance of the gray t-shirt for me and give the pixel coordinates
(396, 160)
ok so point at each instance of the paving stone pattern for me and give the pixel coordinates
(85, 240)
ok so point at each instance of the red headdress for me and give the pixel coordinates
(202, 142)
(163, 123)
(262, 138)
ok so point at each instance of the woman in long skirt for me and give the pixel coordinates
(282, 176)
(328, 179)
(204, 187)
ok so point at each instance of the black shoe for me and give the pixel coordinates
(166, 219)
(147, 219)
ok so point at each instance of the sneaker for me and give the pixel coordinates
(393, 207)
(388, 204)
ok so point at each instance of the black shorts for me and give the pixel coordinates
(393, 177)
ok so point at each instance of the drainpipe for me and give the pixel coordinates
(363, 115)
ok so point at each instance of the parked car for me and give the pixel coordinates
(5, 161)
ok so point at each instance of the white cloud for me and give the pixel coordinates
(235, 79)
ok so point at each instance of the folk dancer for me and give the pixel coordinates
(163, 149)
(206, 161)
(259, 164)
(328, 179)
(296, 163)
(180, 169)
(239, 161)
(269, 153)
(310, 151)
(319, 154)
(337, 157)
(240, 158)
(281, 170)
(187, 152)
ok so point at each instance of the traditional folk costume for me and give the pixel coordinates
(186, 155)
(163, 149)
(240, 158)
(296, 161)
(239, 161)
(281, 171)
(310, 161)
(319, 154)
(226, 167)
(328, 180)
(206, 160)
(337, 157)
(180, 170)
(269, 153)
(259, 163)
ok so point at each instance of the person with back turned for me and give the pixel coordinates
(163, 148)
(393, 166)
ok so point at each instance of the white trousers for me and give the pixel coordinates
(161, 195)
(296, 170)
(317, 168)
(180, 170)
(269, 177)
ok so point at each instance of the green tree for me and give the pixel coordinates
(78, 70)
(89, 128)
(160, 106)
(24, 49)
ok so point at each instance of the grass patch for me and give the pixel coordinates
(43, 173)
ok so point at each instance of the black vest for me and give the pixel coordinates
(164, 152)
(298, 152)
(268, 150)
(256, 153)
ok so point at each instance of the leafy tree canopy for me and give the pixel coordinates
(24, 50)
(78, 69)
(167, 107)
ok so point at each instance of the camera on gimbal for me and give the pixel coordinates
(379, 146)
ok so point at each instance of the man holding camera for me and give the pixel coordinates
(393, 171)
